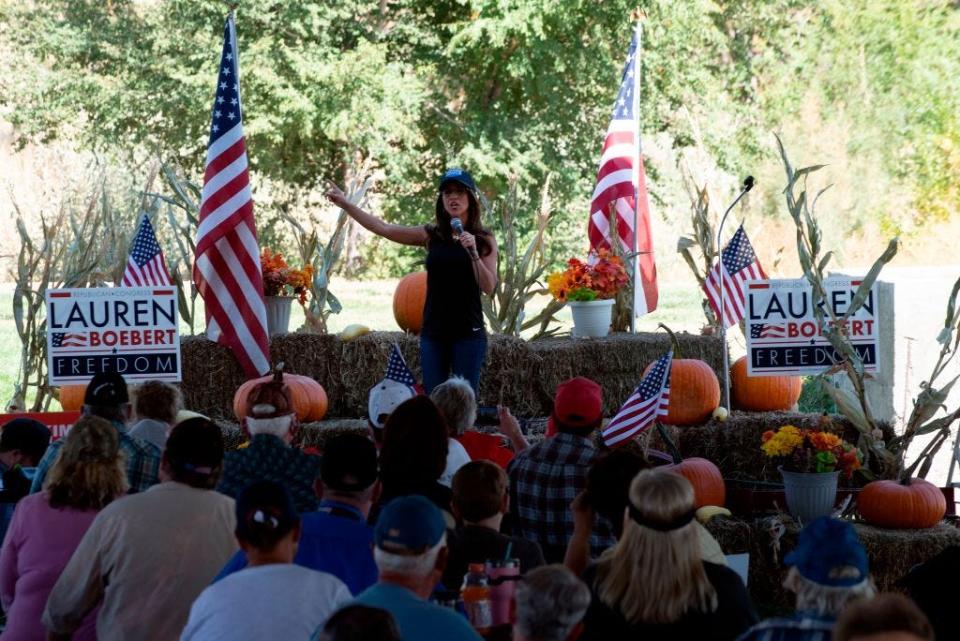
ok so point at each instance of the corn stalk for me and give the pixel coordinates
(623, 300)
(181, 206)
(704, 239)
(75, 249)
(855, 405)
(931, 399)
(519, 280)
(324, 257)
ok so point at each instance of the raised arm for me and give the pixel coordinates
(403, 234)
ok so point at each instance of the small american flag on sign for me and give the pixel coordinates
(146, 265)
(64, 339)
(738, 263)
(767, 330)
(652, 399)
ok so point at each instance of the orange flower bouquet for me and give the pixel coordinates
(279, 279)
(581, 281)
(811, 451)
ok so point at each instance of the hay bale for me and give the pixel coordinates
(734, 446)
(518, 374)
(891, 553)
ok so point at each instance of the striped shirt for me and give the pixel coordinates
(799, 627)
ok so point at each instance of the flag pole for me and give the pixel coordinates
(638, 65)
(747, 186)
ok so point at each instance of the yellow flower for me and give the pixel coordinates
(784, 442)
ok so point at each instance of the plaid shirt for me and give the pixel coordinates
(142, 460)
(544, 480)
(268, 458)
(800, 627)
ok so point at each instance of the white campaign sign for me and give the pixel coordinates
(784, 338)
(130, 330)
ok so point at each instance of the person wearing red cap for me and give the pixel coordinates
(546, 478)
(461, 263)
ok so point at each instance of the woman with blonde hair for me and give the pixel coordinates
(653, 584)
(88, 474)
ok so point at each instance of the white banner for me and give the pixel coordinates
(784, 338)
(130, 330)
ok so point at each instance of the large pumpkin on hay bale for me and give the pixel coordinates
(309, 397)
(71, 397)
(910, 504)
(762, 393)
(694, 388)
(705, 477)
(408, 301)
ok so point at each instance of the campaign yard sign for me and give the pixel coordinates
(784, 338)
(130, 330)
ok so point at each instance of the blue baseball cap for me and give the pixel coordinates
(829, 553)
(457, 175)
(409, 525)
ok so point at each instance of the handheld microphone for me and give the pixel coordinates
(457, 225)
(747, 184)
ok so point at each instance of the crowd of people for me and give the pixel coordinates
(137, 525)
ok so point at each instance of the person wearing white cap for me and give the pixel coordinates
(384, 397)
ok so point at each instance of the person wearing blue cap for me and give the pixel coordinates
(410, 549)
(461, 263)
(828, 570)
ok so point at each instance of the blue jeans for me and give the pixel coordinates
(459, 357)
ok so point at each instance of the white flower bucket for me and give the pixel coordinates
(591, 318)
(278, 313)
(810, 494)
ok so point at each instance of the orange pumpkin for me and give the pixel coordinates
(309, 397)
(762, 393)
(71, 397)
(912, 504)
(706, 479)
(408, 301)
(694, 392)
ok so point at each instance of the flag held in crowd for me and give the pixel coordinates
(145, 266)
(738, 264)
(227, 268)
(650, 400)
(398, 371)
(621, 185)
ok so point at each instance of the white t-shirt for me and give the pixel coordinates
(276, 601)
(457, 457)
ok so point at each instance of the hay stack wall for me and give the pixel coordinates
(519, 374)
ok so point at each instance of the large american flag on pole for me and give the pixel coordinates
(738, 263)
(650, 400)
(145, 265)
(621, 183)
(227, 267)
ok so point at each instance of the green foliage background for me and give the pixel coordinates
(505, 87)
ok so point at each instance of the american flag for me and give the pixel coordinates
(767, 330)
(621, 183)
(67, 339)
(397, 369)
(652, 399)
(227, 267)
(146, 265)
(738, 263)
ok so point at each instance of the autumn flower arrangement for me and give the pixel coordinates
(279, 279)
(581, 281)
(811, 451)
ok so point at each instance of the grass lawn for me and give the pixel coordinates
(370, 303)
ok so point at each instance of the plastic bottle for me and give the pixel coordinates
(476, 598)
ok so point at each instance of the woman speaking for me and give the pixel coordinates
(461, 262)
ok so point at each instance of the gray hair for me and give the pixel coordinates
(551, 601)
(457, 402)
(825, 600)
(414, 565)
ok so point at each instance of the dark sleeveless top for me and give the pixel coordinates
(452, 310)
